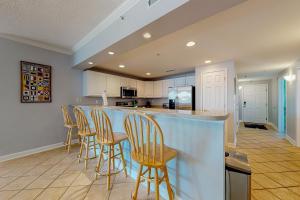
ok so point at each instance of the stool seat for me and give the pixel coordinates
(118, 137)
(168, 154)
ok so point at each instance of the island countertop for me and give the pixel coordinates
(197, 114)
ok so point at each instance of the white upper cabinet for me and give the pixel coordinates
(132, 83)
(128, 82)
(94, 83)
(190, 80)
(180, 81)
(113, 86)
(158, 89)
(148, 89)
(140, 86)
(166, 85)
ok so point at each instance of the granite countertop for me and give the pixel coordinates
(197, 114)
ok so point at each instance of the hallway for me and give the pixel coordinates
(275, 164)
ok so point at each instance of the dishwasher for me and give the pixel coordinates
(237, 176)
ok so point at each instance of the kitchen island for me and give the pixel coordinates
(198, 171)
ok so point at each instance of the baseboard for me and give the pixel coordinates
(273, 126)
(30, 152)
(291, 140)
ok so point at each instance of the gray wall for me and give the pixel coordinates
(28, 126)
(272, 98)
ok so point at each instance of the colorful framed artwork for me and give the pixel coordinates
(35, 83)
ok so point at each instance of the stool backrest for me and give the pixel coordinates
(146, 138)
(103, 126)
(67, 117)
(81, 121)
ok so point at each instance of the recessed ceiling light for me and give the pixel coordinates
(190, 44)
(148, 73)
(147, 35)
(207, 61)
(90, 63)
(122, 66)
(111, 53)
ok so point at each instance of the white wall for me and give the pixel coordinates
(27, 126)
(231, 97)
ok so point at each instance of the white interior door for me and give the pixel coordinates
(214, 91)
(255, 103)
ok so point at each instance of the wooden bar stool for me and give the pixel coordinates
(70, 125)
(109, 139)
(88, 136)
(148, 149)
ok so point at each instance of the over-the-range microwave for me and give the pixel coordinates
(128, 92)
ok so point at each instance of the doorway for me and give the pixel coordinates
(255, 103)
(282, 97)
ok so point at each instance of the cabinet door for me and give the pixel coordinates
(190, 80)
(148, 89)
(180, 82)
(166, 85)
(113, 86)
(140, 88)
(157, 89)
(94, 83)
(124, 82)
(132, 83)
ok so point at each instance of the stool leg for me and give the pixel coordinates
(99, 162)
(87, 148)
(137, 183)
(123, 160)
(156, 185)
(149, 177)
(113, 156)
(69, 139)
(81, 148)
(108, 169)
(170, 193)
(95, 153)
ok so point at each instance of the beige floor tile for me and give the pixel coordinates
(52, 193)
(5, 181)
(284, 193)
(275, 167)
(289, 165)
(98, 192)
(282, 179)
(27, 194)
(20, 183)
(265, 181)
(264, 195)
(121, 178)
(295, 190)
(84, 179)
(8, 194)
(42, 181)
(76, 193)
(255, 185)
(38, 170)
(64, 180)
(295, 176)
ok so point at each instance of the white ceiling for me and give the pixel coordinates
(59, 24)
(260, 35)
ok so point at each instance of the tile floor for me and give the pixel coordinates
(58, 175)
(55, 174)
(275, 164)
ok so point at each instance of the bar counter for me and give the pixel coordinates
(198, 171)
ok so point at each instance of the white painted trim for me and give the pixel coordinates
(115, 15)
(37, 44)
(30, 152)
(291, 140)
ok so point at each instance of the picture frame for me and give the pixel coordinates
(36, 82)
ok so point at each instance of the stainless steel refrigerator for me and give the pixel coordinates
(182, 98)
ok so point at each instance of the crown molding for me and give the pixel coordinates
(37, 44)
(115, 15)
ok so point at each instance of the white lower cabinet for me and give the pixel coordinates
(158, 89)
(148, 89)
(113, 86)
